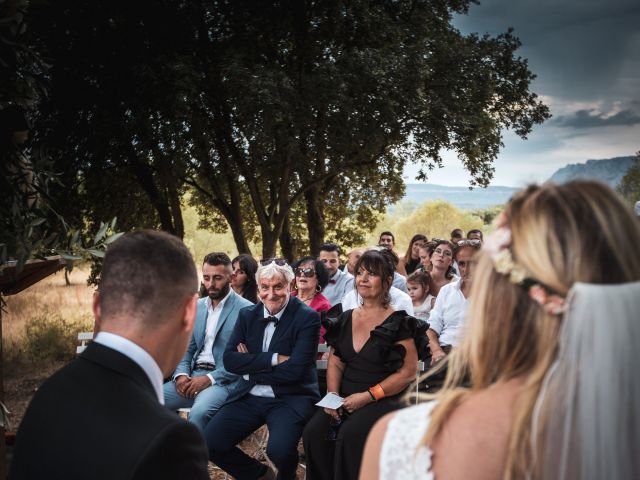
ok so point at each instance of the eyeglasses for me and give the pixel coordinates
(444, 253)
(278, 261)
(305, 272)
(472, 242)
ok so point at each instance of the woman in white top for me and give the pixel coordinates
(544, 384)
(441, 266)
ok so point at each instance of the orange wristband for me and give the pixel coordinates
(377, 392)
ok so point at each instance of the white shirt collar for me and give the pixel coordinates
(279, 314)
(209, 303)
(137, 354)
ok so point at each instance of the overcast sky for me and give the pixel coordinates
(586, 54)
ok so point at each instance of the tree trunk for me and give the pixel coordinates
(269, 242)
(288, 244)
(176, 212)
(315, 220)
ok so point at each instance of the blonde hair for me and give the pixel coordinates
(562, 234)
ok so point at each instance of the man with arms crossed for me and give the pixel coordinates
(274, 346)
(101, 416)
(201, 381)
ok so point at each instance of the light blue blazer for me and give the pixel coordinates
(226, 323)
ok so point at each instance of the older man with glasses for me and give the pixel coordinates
(274, 346)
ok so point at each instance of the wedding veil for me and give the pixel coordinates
(586, 422)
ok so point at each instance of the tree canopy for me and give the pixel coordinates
(289, 121)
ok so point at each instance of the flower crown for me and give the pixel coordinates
(497, 245)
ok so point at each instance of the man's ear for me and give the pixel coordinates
(189, 313)
(97, 312)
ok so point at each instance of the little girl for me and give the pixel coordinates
(418, 286)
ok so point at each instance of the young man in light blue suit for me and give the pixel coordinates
(200, 381)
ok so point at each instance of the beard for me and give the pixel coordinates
(219, 294)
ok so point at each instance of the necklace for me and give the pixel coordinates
(308, 299)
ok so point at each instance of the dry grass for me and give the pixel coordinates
(50, 297)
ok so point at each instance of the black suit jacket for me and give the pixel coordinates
(296, 335)
(99, 418)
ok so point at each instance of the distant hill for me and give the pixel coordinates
(609, 171)
(461, 197)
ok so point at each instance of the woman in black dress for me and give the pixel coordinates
(373, 359)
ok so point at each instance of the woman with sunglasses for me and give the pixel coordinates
(311, 278)
(442, 271)
(243, 278)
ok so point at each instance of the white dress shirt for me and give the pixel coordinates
(266, 390)
(338, 285)
(447, 318)
(399, 300)
(138, 355)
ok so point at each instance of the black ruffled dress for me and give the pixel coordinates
(379, 357)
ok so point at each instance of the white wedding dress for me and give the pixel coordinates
(401, 455)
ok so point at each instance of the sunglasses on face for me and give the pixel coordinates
(305, 272)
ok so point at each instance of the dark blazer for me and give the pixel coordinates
(296, 335)
(99, 418)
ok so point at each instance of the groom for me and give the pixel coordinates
(274, 346)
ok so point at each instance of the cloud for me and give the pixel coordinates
(592, 118)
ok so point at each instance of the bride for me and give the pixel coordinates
(549, 358)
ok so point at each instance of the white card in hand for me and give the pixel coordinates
(331, 400)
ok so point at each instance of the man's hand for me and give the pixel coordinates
(356, 401)
(196, 385)
(437, 355)
(282, 358)
(182, 382)
(242, 348)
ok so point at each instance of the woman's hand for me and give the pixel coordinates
(437, 355)
(332, 413)
(356, 401)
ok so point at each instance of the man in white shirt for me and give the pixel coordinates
(447, 319)
(274, 346)
(340, 282)
(201, 382)
(101, 416)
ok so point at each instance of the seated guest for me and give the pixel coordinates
(274, 346)
(457, 234)
(339, 282)
(442, 272)
(374, 354)
(418, 284)
(474, 234)
(550, 354)
(387, 240)
(352, 258)
(201, 382)
(425, 252)
(311, 278)
(400, 300)
(411, 259)
(447, 317)
(101, 416)
(243, 280)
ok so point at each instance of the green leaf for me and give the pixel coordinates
(112, 238)
(101, 233)
(96, 253)
(69, 257)
(37, 221)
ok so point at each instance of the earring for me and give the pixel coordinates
(318, 289)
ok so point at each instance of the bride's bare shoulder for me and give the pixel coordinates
(474, 439)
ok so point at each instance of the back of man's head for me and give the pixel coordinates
(146, 276)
